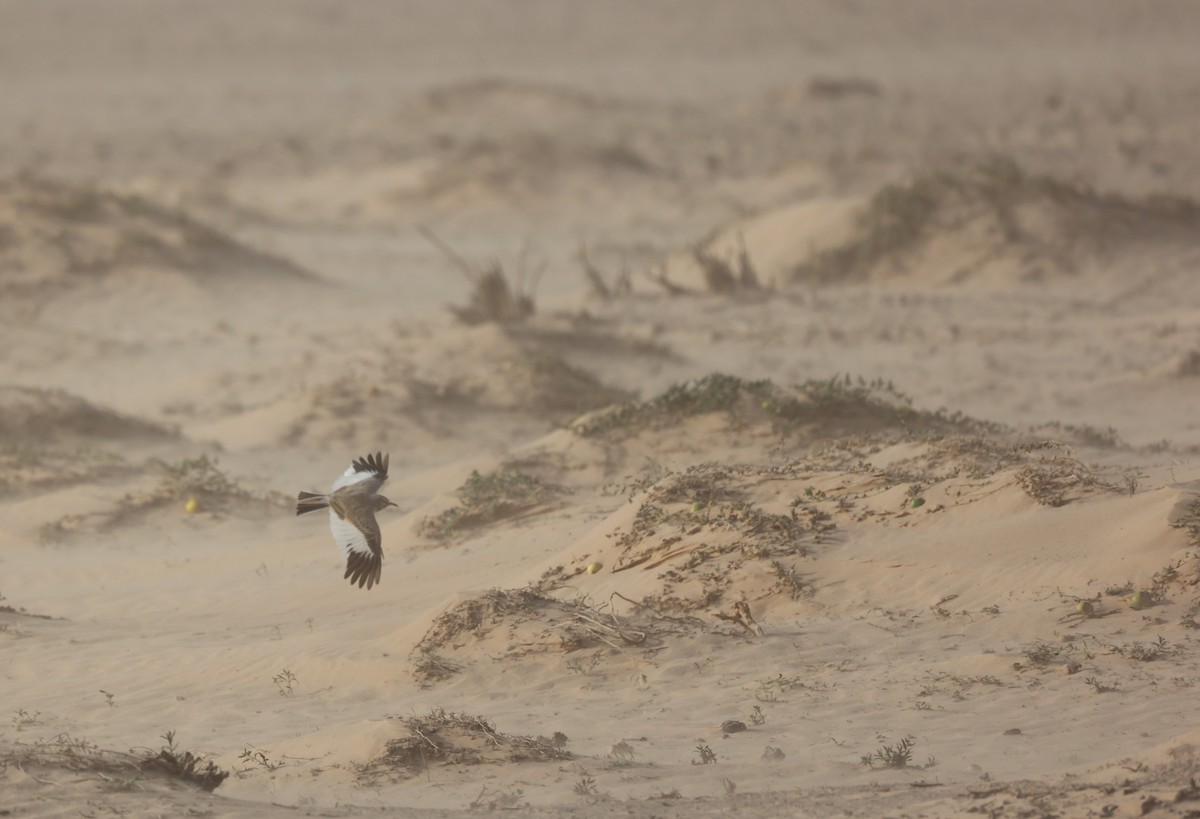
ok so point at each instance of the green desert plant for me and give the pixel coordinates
(1041, 654)
(586, 786)
(1099, 687)
(486, 498)
(186, 766)
(284, 681)
(898, 755)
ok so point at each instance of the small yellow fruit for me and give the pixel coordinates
(594, 567)
(1141, 600)
(1085, 607)
(191, 506)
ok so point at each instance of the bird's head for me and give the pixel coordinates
(382, 503)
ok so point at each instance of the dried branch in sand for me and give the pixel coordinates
(451, 738)
(493, 298)
(601, 288)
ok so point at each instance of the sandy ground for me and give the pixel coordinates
(846, 463)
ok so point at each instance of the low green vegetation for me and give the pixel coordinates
(486, 498)
(840, 401)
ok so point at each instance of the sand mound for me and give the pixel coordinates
(50, 439)
(488, 146)
(59, 237)
(42, 419)
(526, 168)
(992, 224)
(442, 384)
(509, 624)
(485, 102)
(818, 411)
(161, 494)
(727, 549)
(447, 738)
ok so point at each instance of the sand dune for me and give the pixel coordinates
(60, 237)
(993, 226)
(791, 408)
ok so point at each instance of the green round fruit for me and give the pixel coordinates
(917, 503)
(1085, 607)
(594, 567)
(1141, 600)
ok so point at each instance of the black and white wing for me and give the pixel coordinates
(365, 474)
(357, 535)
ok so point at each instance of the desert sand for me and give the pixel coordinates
(791, 407)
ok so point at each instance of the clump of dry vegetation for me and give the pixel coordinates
(1057, 479)
(726, 277)
(493, 297)
(448, 738)
(533, 622)
(487, 498)
(64, 752)
(186, 766)
(708, 538)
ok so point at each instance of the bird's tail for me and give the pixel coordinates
(310, 502)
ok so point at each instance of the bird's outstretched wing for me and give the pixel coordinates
(370, 471)
(357, 535)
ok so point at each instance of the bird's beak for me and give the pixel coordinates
(392, 503)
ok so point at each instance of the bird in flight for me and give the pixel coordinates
(353, 502)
